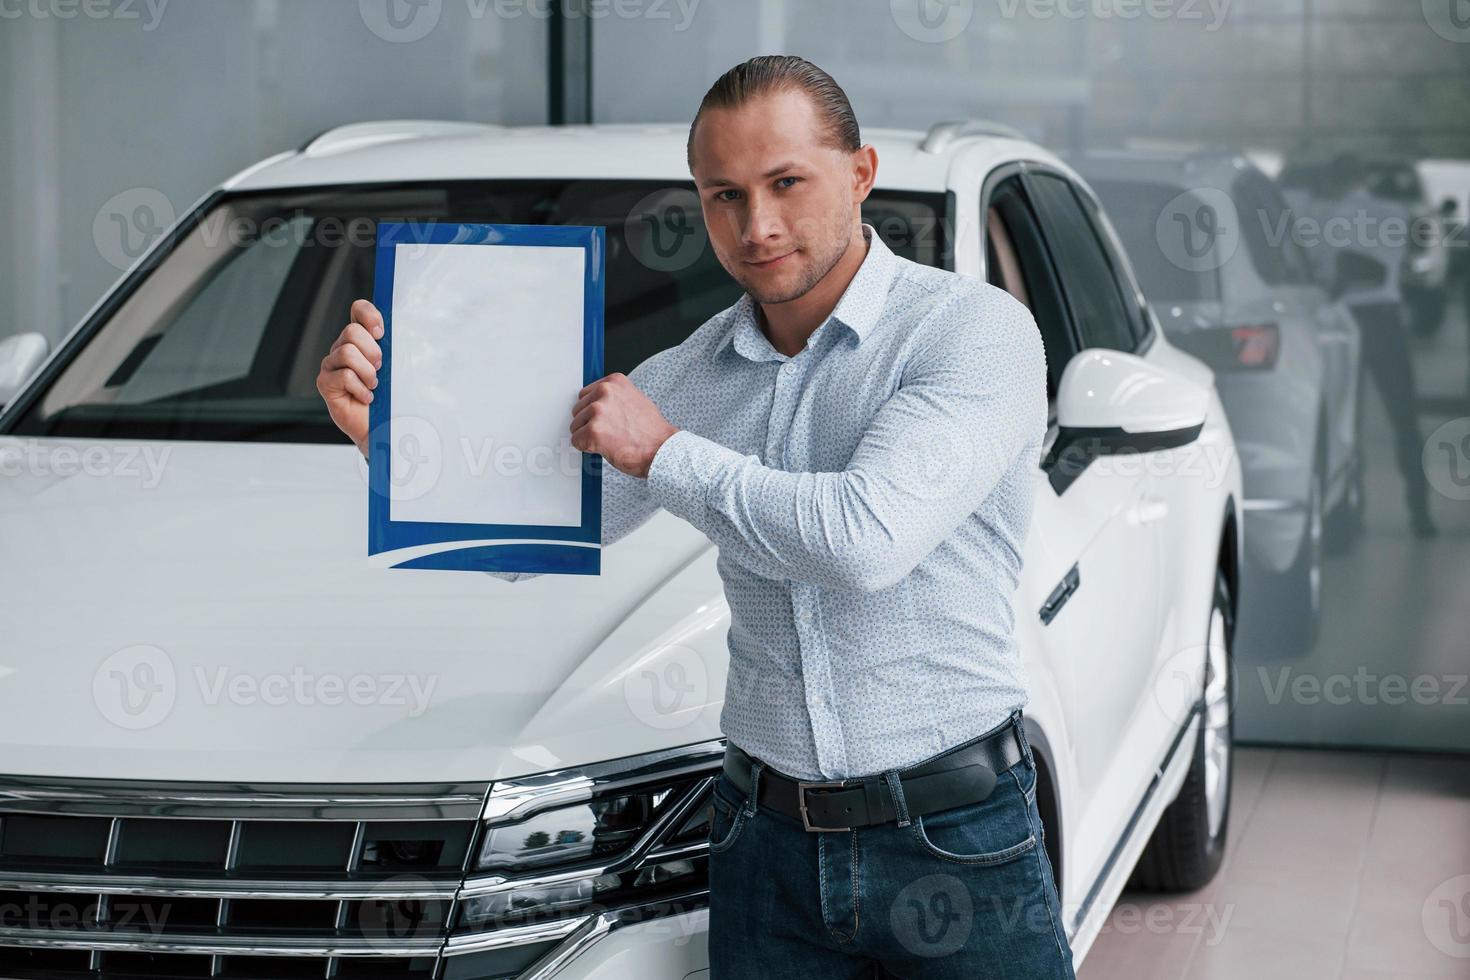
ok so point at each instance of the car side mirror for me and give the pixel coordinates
(20, 356)
(1110, 402)
(1356, 272)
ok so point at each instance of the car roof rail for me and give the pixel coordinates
(357, 135)
(942, 134)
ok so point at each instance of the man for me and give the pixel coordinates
(860, 436)
(1380, 228)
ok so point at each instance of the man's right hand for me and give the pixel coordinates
(349, 372)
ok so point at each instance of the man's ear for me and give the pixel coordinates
(864, 172)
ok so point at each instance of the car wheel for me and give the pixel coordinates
(1188, 845)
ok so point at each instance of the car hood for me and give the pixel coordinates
(207, 611)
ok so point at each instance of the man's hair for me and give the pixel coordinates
(772, 73)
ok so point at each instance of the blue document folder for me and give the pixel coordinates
(489, 333)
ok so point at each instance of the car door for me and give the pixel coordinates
(1113, 514)
(1091, 572)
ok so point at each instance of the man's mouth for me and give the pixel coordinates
(770, 263)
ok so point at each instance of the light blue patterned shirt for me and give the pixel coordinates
(869, 497)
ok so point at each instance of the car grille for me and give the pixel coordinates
(108, 879)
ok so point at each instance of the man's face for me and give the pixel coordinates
(778, 202)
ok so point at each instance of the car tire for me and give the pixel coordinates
(1188, 845)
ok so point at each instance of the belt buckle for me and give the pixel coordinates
(802, 787)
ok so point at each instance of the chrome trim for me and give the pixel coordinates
(558, 959)
(205, 944)
(1271, 503)
(637, 855)
(511, 800)
(479, 942)
(388, 889)
(241, 801)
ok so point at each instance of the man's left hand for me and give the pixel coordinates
(617, 421)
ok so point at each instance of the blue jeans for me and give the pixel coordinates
(959, 893)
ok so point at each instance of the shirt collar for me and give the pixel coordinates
(858, 309)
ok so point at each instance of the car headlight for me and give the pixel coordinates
(565, 845)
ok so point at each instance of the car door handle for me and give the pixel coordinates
(1059, 595)
(1146, 510)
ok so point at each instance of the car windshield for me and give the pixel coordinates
(221, 338)
(1134, 208)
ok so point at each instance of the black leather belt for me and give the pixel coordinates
(955, 777)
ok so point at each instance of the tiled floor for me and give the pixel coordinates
(1340, 866)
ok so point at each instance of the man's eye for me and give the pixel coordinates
(792, 179)
(720, 195)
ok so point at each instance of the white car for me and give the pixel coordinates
(268, 758)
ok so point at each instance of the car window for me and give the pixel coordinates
(1091, 285)
(223, 338)
(1018, 262)
(1265, 229)
(1134, 207)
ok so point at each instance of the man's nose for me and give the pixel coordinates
(763, 221)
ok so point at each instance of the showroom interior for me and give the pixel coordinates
(1348, 849)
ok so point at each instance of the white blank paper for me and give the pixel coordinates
(487, 351)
